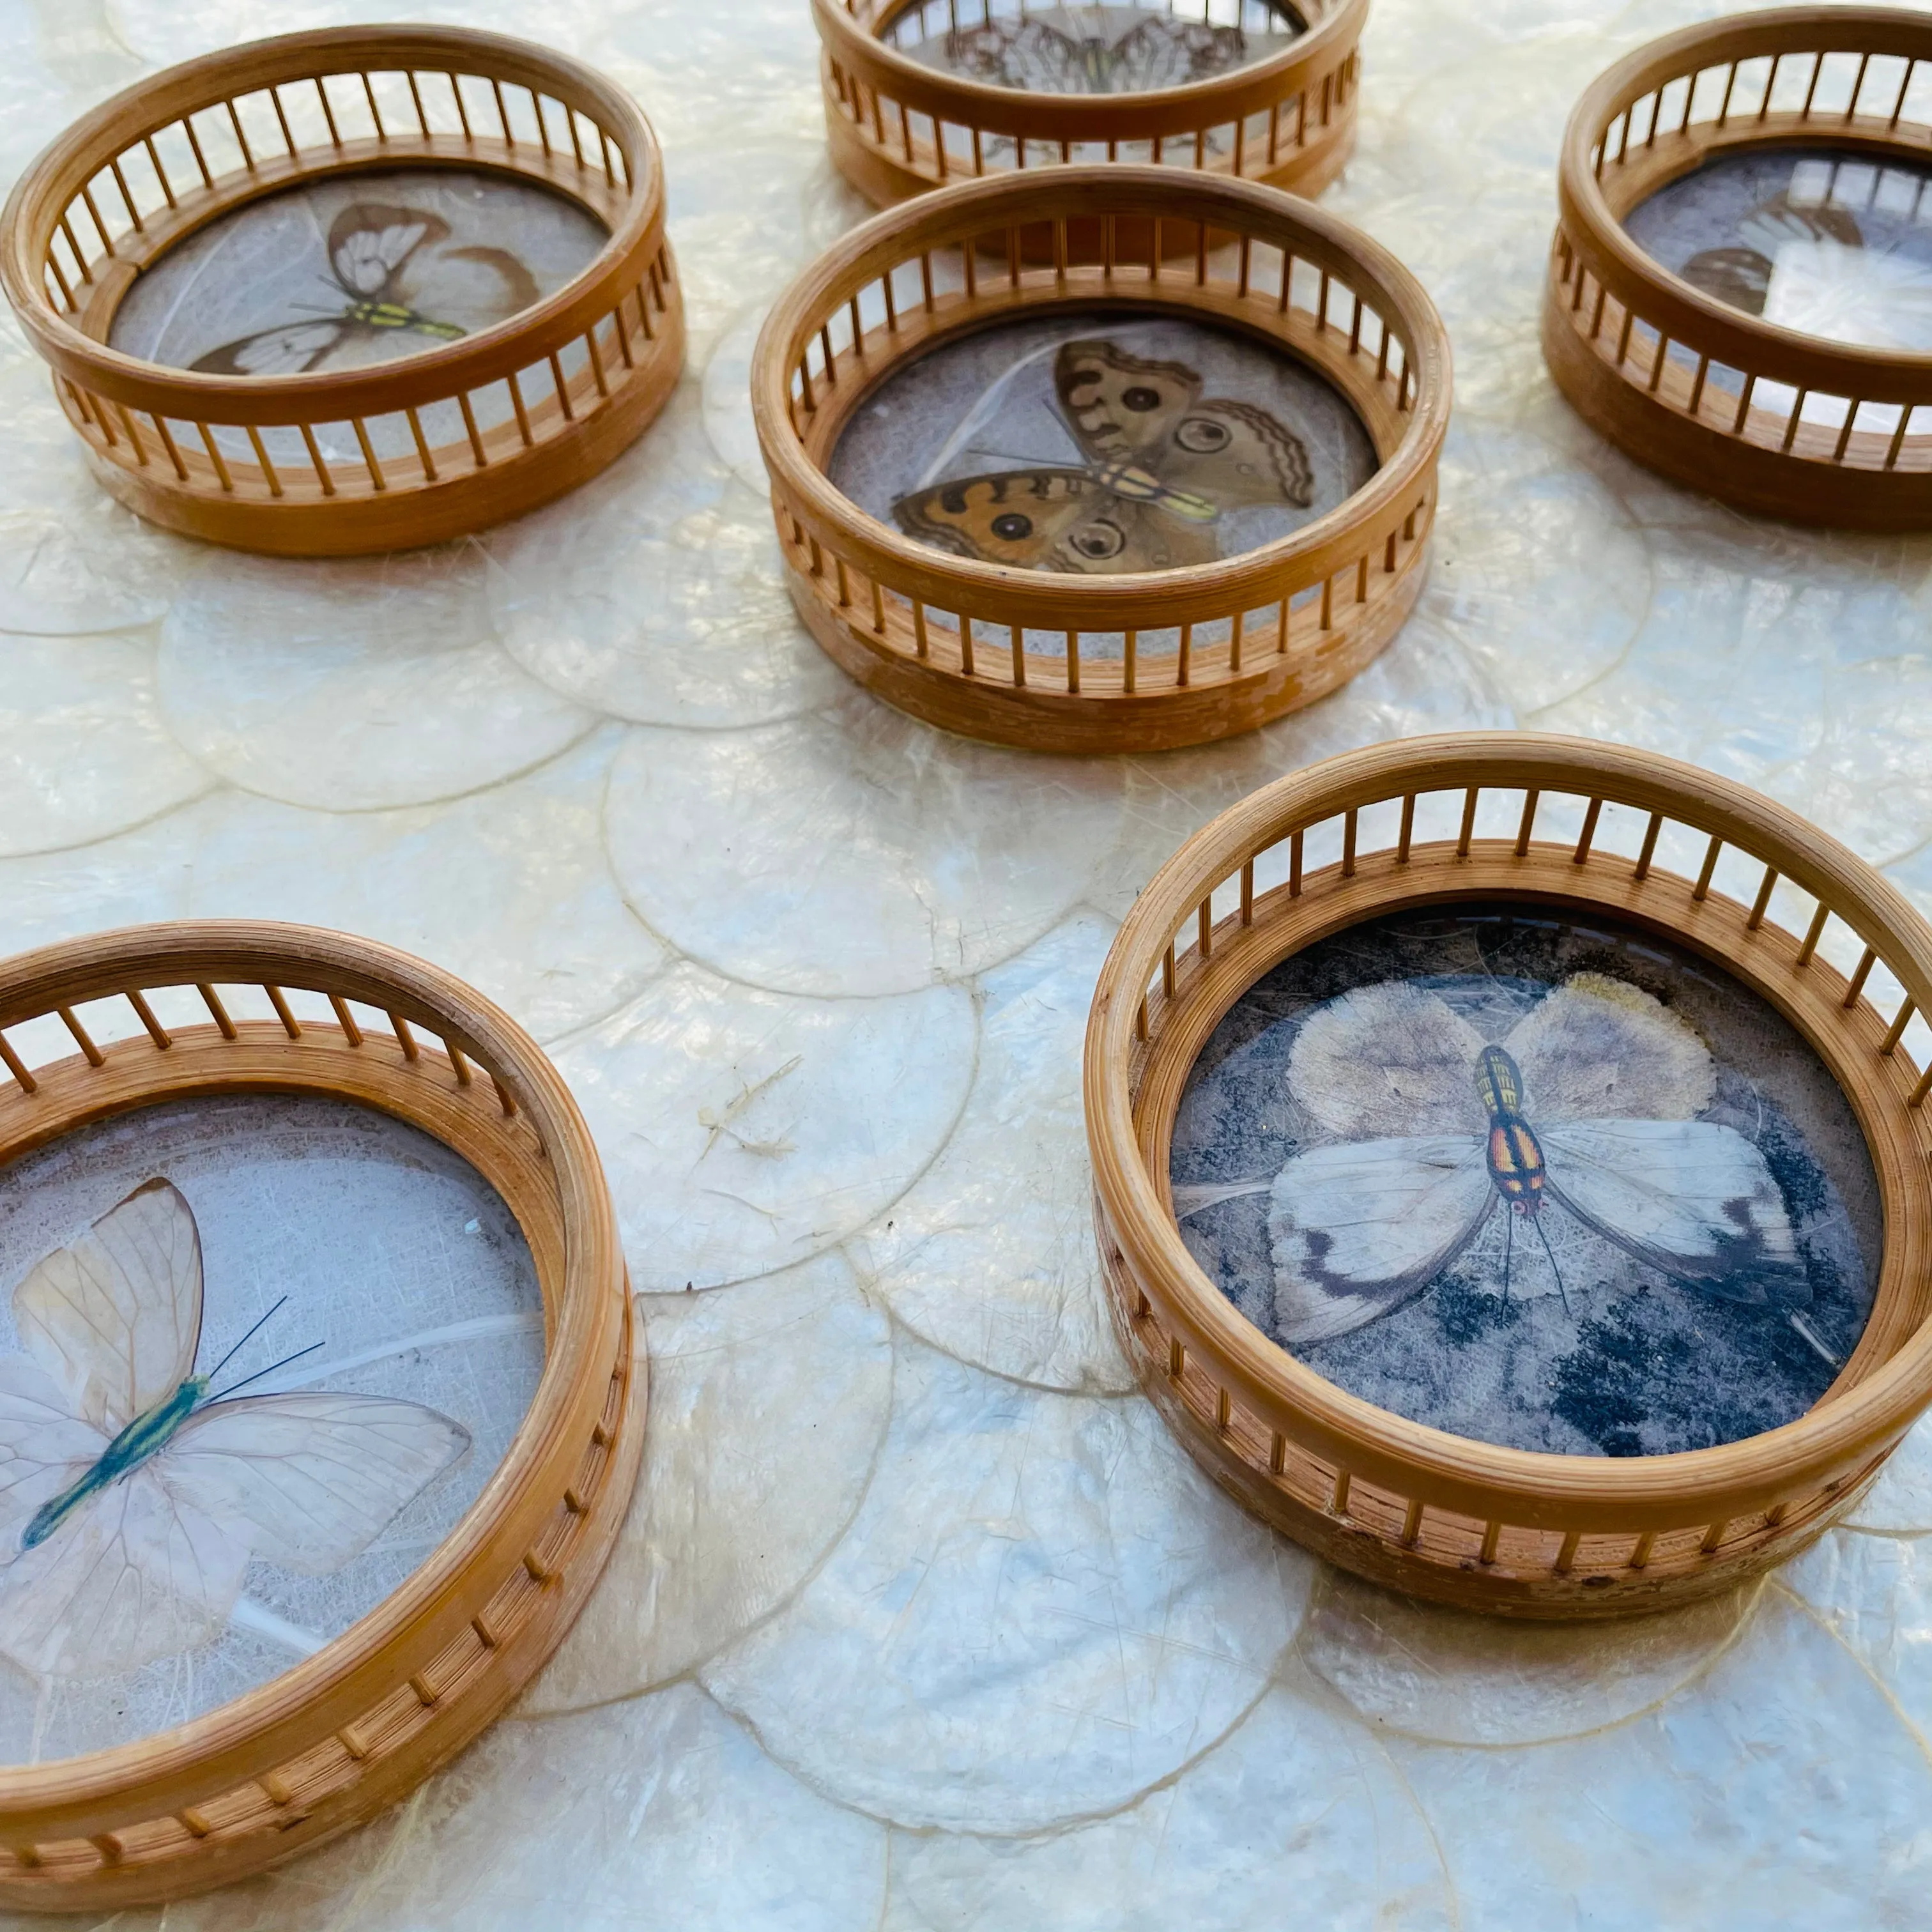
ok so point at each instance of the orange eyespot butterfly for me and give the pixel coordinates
(1161, 464)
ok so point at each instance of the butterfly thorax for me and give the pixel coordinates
(373, 314)
(1129, 480)
(146, 1435)
(1516, 1159)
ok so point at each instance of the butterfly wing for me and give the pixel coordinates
(370, 241)
(1120, 408)
(1739, 276)
(44, 1447)
(1234, 454)
(286, 351)
(309, 1480)
(130, 1576)
(1032, 55)
(1386, 1059)
(1692, 1199)
(113, 1318)
(1598, 1048)
(1166, 51)
(1016, 518)
(1359, 1229)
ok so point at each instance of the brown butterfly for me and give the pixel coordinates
(1161, 463)
(1742, 276)
(371, 247)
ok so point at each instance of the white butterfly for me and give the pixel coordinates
(131, 1501)
(1587, 1105)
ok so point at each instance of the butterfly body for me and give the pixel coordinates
(1161, 464)
(146, 1435)
(398, 315)
(1516, 1166)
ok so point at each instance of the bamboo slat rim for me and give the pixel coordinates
(1370, 332)
(499, 1071)
(1014, 111)
(953, 214)
(32, 215)
(1825, 1445)
(1765, 348)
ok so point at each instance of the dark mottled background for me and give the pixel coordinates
(1639, 1365)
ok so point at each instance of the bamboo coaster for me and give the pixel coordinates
(1547, 1097)
(920, 93)
(351, 290)
(165, 1012)
(1036, 482)
(1740, 289)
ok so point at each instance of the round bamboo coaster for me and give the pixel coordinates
(1444, 822)
(329, 1742)
(921, 93)
(485, 315)
(1782, 360)
(1130, 592)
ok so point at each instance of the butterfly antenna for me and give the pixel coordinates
(1553, 1268)
(269, 1371)
(1509, 1248)
(243, 1343)
(1798, 1323)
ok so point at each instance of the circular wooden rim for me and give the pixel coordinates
(1079, 238)
(876, 97)
(52, 185)
(1613, 315)
(1179, 962)
(586, 368)
(338, 1735)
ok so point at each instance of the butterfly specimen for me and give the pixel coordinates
(132, 1497)
(1161, 463)
(1084, 50)
(1806, 266)
(1586, 1108)
(369, 248)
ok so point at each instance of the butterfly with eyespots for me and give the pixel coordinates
(1161, 464)
(369, 248)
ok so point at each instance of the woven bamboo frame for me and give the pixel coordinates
(103, 201)
(341, 1734)
(1441, 1516)
(898, 128)
(1784, 424)
(1286, 623)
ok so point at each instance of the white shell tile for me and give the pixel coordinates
(1041, 1608)
(356, 684)
(1296, 1816)
(744, 1131)
(656, 592)
(507, 887)
(854, 851)
(1779, 1788)
(1423, 1670)
(720, 1532)
(991, 1255)
(83, 751)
